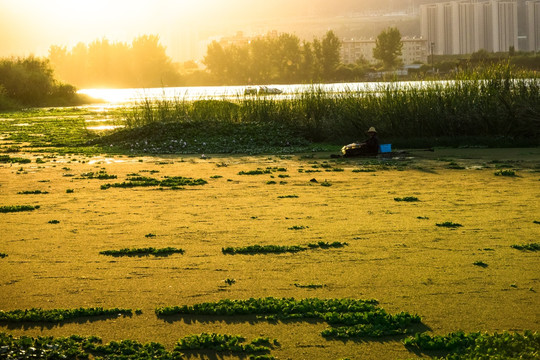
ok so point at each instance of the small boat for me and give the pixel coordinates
(262, 90)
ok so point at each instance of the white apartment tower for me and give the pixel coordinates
(466, 26)
(533, 25)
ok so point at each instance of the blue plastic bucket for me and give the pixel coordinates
(386, 148)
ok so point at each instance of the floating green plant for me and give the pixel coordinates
(287, 196)
(349, 318)
(223, 343)
(509, 173)
(480, 263)
(3, 255)
(449, 224)
(150, 235)
(407, 199)
(270, 182)
(32, 192)
(229, 281)
(455, 166)
(18, 160)
(326, 183)
(69, 191)
(58, 315)
(262, 249)
(101, 175)
(309, 286)
(278, 249)
(17, 208)
(363, 170)
(422, 217)
(460, 345)
(173, 182)
(216, 177)
(255, 172)
(54, 222)
(143, 252)
(527, 247)
(298, 227)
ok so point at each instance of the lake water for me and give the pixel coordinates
(125, 96)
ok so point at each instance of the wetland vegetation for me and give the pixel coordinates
(430, 281)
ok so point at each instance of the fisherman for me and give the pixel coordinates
(369, 147)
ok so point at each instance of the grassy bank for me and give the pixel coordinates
(497, 107)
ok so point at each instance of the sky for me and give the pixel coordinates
(32, 26)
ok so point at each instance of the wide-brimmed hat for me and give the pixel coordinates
(371, 130)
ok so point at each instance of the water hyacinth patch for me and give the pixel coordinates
(298, 227)
(407, 199)
(363, 170)
(460, 345)
(509, 173)
(527, 247)
(455, 166)
(3, 255)
(481, 264)
(58, 315)
(32, 192)
(54, 222)
(101, 175)
(288, 197)
(143, 252)
(223, 343)
(14, 160)
(277, 249)
(173, 182)
(309, 286)
(79, 347)
(17, 208)
(262, 249)
(349, 318)
(449, 224)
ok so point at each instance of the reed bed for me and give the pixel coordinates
(497, 103)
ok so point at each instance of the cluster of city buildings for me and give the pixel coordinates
(466, 26)
(454, 27)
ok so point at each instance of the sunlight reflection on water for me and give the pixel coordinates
(126, 96)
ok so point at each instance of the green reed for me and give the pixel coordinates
(498, 102)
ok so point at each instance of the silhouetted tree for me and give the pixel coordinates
(388, 47)
(143, 63)
(330, 54)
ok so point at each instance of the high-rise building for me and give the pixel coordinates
(533, 25)
(466, 26)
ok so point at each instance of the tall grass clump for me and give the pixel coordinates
(496, 106)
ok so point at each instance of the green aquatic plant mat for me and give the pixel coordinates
(17, 208)
(143, 252)
(58, 315)
(460, 345)
(280, 249)
(527, 247)
(349, 318)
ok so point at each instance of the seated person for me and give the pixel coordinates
(369, 147)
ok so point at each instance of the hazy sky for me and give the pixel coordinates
(32, 26)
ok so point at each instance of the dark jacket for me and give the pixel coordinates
(372, 145)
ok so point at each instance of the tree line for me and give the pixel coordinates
(143, 63)
(30, 81)
(274, 59)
